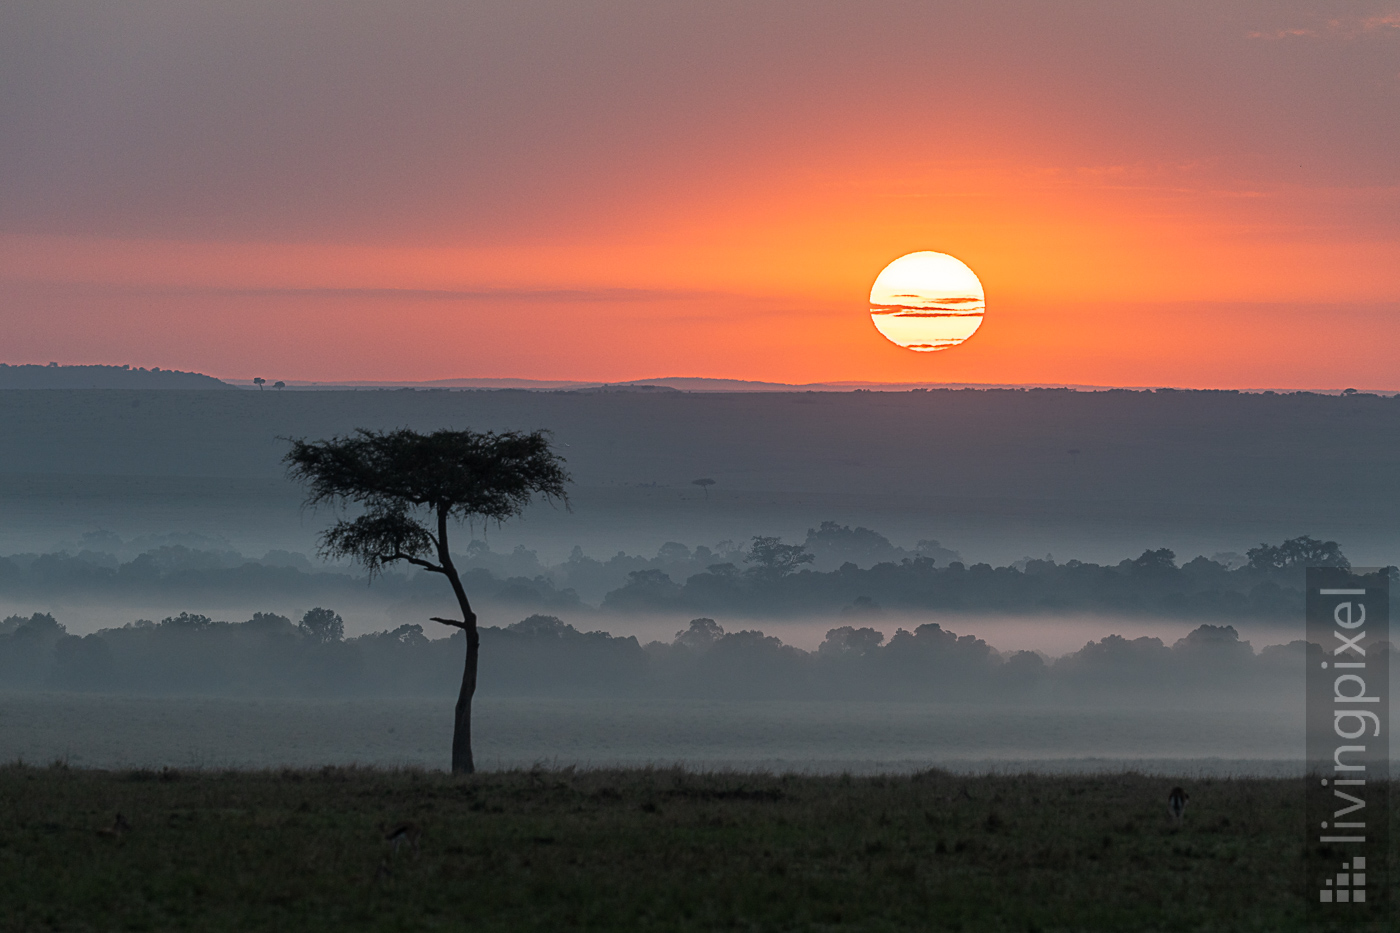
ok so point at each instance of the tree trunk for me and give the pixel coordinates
(462, 723)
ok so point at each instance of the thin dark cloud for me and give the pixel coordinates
(551, 295)
(930, 313)
(547, 295)
(921, 311)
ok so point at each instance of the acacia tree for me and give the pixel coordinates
(773, 560)
(408, 486)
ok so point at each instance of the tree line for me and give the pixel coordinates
(541, 655)
(767, 577)
(773, 580)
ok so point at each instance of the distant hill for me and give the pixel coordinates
(997, 474)
(627, 387)
(54, 376)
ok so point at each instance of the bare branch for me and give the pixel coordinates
(452, 622)
(377, 538)
(416, 561)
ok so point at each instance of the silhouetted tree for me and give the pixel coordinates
(701, 635)
(409, 485)
(704, 484)
(322, 625)
(1158, 561)
(259, 381)
(772, 559)
(547, 628)
(848, 641)
(1303, 551)
(269, 622)
(279, 384)
(837, 544)
(187, 621)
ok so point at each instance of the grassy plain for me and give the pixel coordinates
(643, 849)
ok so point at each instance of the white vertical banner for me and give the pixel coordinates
(1348, 748)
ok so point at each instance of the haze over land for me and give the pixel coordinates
(176, 501)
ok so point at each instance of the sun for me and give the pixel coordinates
(927, 301)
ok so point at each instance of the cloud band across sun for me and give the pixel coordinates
(927, 301)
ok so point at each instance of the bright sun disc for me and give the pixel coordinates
(927, 301)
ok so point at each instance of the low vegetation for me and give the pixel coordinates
(642, 849)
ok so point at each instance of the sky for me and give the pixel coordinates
(1170, 193)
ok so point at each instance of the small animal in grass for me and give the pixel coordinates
(404, 833)
(1176, 804)
(119, 826)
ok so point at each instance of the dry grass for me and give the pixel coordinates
(643, 850)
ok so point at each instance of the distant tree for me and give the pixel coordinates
(701, 634)
(38, 626)
(259, 381)
(188, 621)
(409, 486)
(541, 627)
(933, 550)
(1303, 551)
(406, 634)
(1230, 560)
(848, 641)
(704, 484)
(279, 384)
(269, 622)
(840, 543)
(645, 589)
(673, 552)
(1157, 561)
(322, 626)
(772, 559)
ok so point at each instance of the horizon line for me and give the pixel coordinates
(723, 384)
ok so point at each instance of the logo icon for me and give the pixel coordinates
(1350, 886)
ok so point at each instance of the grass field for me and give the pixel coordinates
(643, 850)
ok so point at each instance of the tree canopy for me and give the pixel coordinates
(1303, 551)
(772, 559)
(465, 475)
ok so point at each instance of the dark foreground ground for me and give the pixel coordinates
(643, 850)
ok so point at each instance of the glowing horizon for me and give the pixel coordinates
(328, 206)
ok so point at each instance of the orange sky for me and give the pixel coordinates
(1181, 194)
